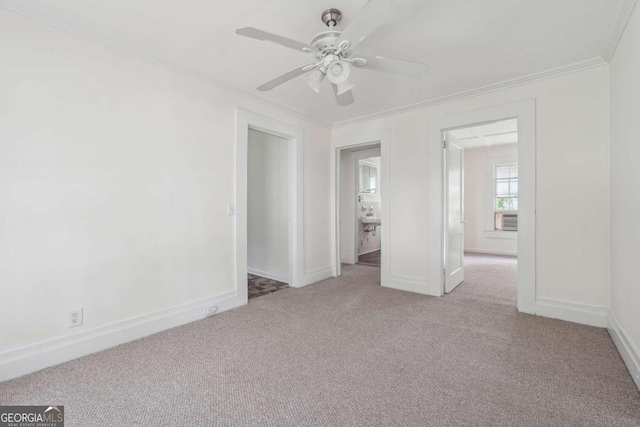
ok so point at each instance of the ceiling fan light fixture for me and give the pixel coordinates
(344, 87)
(338, 72)
(315, 79)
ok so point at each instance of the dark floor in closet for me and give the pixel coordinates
(259, 286)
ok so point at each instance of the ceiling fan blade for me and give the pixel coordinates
(285, 78)
(257, 34)
(393, 66)
(373, 15)
(343, 99)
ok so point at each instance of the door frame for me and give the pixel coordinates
(525, 113)
(364, 140)
(246, 120)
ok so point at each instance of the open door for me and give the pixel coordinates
(454, 213)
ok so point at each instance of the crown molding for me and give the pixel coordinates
(147, 57)
(618, 30)
(494, 87)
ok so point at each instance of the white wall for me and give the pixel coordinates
(572, 228)
(348, 200)
(478, 200)
(625, 185)
(115, 176)
(268, 206)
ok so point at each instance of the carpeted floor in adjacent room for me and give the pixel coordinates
(349, 352)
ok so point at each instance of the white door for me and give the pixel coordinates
(454, 213)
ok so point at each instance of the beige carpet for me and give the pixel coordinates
(349, 352)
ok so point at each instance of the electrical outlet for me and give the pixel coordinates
(75, 318)
(211, 310)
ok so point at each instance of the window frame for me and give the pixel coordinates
(491, 198)
(495, 187)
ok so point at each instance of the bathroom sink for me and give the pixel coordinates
(370, 220)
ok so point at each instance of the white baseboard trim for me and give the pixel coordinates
(408, 284)
(628, 351)
(24, 360)
(346, 259)
(490, 252)
(368, 252)
(266, 275)
(572, 312)
(317, 275)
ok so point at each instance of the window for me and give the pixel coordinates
(506, 197)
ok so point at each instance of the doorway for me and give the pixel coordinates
(360, 206)
(481, 208)
(368, 207)
(267, 219)
(524, 113)
(349, 205)
(288, 212)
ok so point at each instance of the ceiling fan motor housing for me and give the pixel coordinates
(325, 41)
(331, 17)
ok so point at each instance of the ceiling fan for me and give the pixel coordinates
(332, 51)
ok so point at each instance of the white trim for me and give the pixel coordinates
(318, 275)
(408, 284)
(382, 137)
(628, 351)
(618, 30)
(267, 275)
(490, 252)
(244, 121)
(347, 259)
(501, 234)
(572, 312)
(524, 111)
(494, 87)
(34, 357)
(368, 252)
(147, 57)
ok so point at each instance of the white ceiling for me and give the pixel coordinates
(467, 43)
(488, 135)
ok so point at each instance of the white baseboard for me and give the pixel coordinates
(572, 312)
(267, 275)
(490, 252)
(317, 275)
(408, 284)
(629, 352)
(347, 259)
(368, 252)
(32, 358)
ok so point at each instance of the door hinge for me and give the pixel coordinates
(444, 143)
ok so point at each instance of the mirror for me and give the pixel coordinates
(368, 173)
